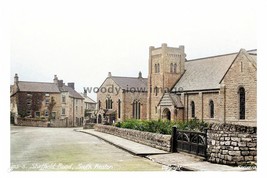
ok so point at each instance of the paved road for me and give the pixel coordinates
(63, 149)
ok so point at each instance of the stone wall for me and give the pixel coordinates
(32, 122)
(232, 144)
(155, 140)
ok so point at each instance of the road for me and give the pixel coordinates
(62, 149)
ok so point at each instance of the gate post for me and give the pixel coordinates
(174, 140)
(206, 143)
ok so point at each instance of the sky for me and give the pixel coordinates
(81, 41)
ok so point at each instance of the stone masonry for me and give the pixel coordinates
(232, 144)
(155, 140)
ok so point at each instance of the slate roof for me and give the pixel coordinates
(131, 82)
(72, 92)
(171, 99)
(87, 99)
(38, 87)
(204, 73)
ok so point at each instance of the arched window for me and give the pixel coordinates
(156, 90)
(171, 68)
(109, 103)
(136, 109)
(119, 108)
(99, 105)
(156, 68)
(175, 68)
(242, 103)
(192, 109)
(211, 104)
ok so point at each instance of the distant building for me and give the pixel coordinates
(219, 88)
(89, 106)
(54, 101)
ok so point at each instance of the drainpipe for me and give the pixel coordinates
(187, 106)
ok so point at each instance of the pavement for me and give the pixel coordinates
(175, 161)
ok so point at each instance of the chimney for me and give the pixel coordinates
(84, 92)
(60, 83)
(16, 79)
(109, 74)
(71, 85)
(140, 75)
(55, 79)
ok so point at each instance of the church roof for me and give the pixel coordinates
(131, 83)
(204, 73)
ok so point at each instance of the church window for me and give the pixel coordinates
(192, 109)
(171, 68)
(99, 105)
(158, 69)
(175, 68)
(109, 103)
(242, 103)
(119, 108)
(136, 109)
(211, 104)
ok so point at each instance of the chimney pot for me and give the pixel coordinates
(109, 74)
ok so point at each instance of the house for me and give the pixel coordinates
(55, 101)
(89, 106)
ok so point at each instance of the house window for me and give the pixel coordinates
(76, 108)
(37, 114)
(211, 104)
(28, 113)
(158, 69)
(171, 68)
(156, 110)
(29, 102)
(63, 112)
(119, 108)
(192, 109)
(175, 68)
(47, 100)
(46, 113)
(136, 109)
(242, 103)
(54, 115)
(29, 95)
(81, 110)
(47, 95)
(63, 99)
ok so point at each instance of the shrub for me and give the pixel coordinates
(161, 126)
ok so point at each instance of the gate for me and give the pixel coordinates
(189, 141)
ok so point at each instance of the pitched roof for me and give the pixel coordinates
(128, 83)
(204, 73)
(72, 92)
(87, 99)
(171, 99)
(37, 87)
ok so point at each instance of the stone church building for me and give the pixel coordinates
(220, 88)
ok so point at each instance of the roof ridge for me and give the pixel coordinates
(127, 77)
(37, 82)
(208, 57)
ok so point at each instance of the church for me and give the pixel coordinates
(220, 88)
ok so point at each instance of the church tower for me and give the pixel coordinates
(166, 65)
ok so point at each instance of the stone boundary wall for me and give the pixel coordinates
(231, 144)
(32, 122)
(155, 140)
